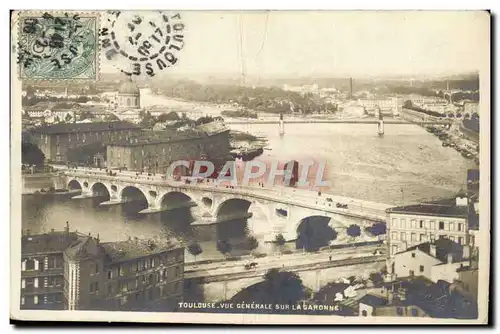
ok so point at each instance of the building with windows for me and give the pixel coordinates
(42, 269)
(438, 260)
(156, 150)
(57, 140)
(410, 225)
(69, 270)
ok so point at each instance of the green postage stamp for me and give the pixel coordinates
(58, 45)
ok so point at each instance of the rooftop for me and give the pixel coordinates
(161, 136)
(443, 248)
(373, 300)
(47, 242)
(85, 127)
(443, 208)
(131, 249)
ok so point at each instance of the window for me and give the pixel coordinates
(394, 249)
(403, 236)
(110, 275)
(402, 223)
(460, 240)
(412, 273)
(394, 236)
(433, 225)
(412, 254)
(413, 223)
(441, 225)
(177, 271)
(433, 237)
(421, 225)
(413, 237)
(451, 226)
(94, 287)
(414, 312)
(30, 264)
(400, 311)
(422, 237)
(421, 269)
(459, 226)
(22, 301)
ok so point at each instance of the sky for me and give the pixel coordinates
(330, 43)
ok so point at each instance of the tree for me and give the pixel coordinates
(171, 116)
(282, 287)
(57, 119)
(407, 104)
(68, 118)
(280, 239)
(252, 243)
(86, 115)
(354, 231)
(31, 154)
(376, 278)
(204, 120)
(223, 246)
(195, 250)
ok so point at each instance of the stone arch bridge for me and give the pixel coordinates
(218, 203)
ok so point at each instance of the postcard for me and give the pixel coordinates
(250, 167)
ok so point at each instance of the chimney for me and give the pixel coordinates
(450, 258)
(97, 238)
(433, 250)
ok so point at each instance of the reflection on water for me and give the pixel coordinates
(406, 165)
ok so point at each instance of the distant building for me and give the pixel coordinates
(69, 270)
(411, 225)
(57, 140)
(471, 108)
(436, 261)
(155, 151)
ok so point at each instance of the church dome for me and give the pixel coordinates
(129, 88)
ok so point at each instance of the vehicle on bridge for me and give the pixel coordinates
(252, 265)
(342, 206)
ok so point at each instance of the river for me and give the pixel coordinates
(406, 165)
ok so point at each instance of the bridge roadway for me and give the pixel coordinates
(234, 270)
(338, 121)
(279, 194)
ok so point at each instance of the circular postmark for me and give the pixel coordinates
(60, 46)
(142, 42)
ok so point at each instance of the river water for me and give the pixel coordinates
(406, 165)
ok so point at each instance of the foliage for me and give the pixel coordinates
(31, 154)
(376, 278)
(194, 249)
(171, 116)
(223, 246)
(280, 239)
(204, 120)
(252, 243)
(354, 230)
(68, 118)
(282, 287)
(87, 115)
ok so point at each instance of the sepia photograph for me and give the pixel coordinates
(250, 167)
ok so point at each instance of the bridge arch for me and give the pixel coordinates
(231, 206)
(100, 189)
(175, 200)
(314, 232)
(74, 185)
(132, 193)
